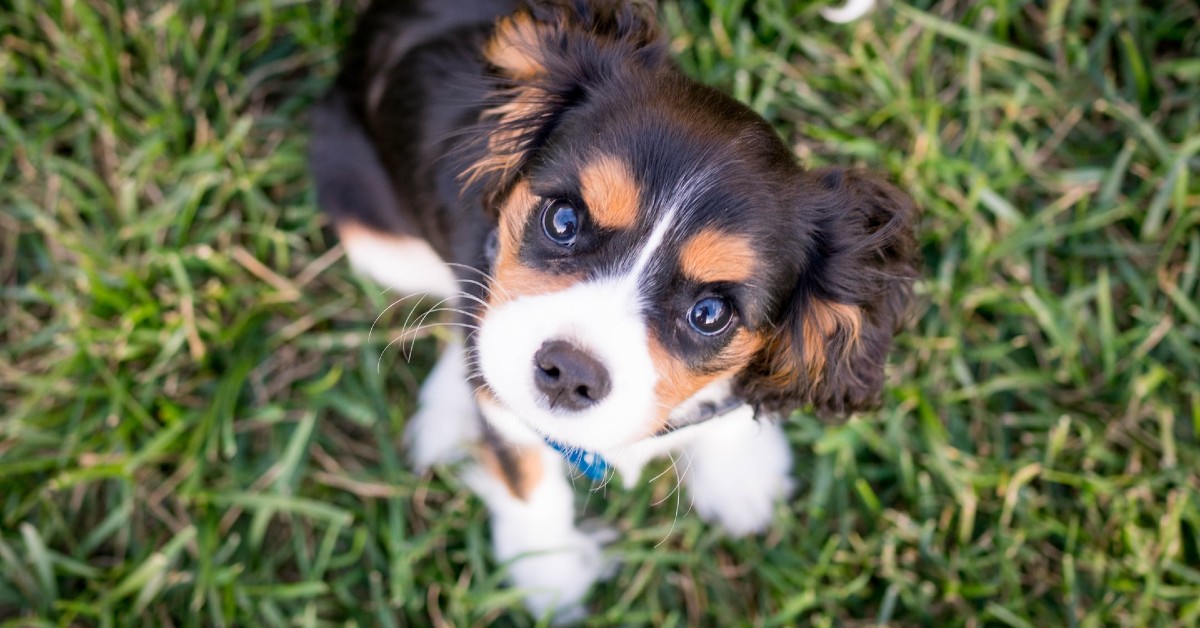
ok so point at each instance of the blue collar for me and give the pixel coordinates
(588, 463)
(595, 467)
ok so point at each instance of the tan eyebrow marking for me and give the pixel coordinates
(711, 256)
(610, 191)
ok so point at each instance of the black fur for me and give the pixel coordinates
(863, 254)
(419, 157)
(393, 165)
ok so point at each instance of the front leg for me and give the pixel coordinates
(533, 525)
(447, 421)
(738, 468)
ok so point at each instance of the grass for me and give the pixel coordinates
(194, 430)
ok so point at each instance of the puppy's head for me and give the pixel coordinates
(656, 237)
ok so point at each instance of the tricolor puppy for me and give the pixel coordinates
(639, 263)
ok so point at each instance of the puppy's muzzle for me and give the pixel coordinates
(571, 379)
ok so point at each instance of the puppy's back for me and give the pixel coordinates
(386, 138)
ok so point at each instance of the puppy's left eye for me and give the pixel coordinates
(711, 315)
(560, 221)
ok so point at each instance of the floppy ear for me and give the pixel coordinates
(546, 58)
(852, 295)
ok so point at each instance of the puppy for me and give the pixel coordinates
(638, 262)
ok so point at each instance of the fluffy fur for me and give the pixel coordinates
(632, 249)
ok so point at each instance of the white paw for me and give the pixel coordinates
(738, 473)
(555, 574)
(429, 440)
(553, 562)
(447, 420)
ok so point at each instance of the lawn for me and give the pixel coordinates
(198, 428)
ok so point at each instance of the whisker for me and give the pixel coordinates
(463, 280)
(675, 519)
(482, 304)
(652, 480)
(413, 334)
(420, 325)
(606, 480)
(405, 336)
(408, 319)
(482, 273)
(683, 476)
(442, 324)
(678, 494)
(379, 360)
(489, 278)
(385, 310)
(664, 472)
(456, 311)
(486, 288)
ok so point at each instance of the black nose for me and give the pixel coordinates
(571, 379)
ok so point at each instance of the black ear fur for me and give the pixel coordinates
(545, 59)
(852, 296)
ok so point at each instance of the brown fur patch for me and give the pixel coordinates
(350, 232)
(505, 146)
(824, 320)
(522, 48)
(520, 470)
(484, 395)
(515, 47)
(677, 382)
(513, 278)
(611, 193)
(711, 256)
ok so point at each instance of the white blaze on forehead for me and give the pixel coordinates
(677, 208)
(653, 243)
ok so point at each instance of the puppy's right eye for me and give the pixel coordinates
(560, 222)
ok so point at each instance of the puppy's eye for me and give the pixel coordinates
(711, 315)
(560, 221)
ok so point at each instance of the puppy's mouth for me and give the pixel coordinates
(572, 365)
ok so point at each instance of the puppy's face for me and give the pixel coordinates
(656, 237)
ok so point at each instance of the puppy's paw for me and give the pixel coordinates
(604, 535)
(556, 574)
(438, 434)
(737, 478)
(745, 508)
(447, 419)
(552, 561)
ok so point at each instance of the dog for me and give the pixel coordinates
(638, 263)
